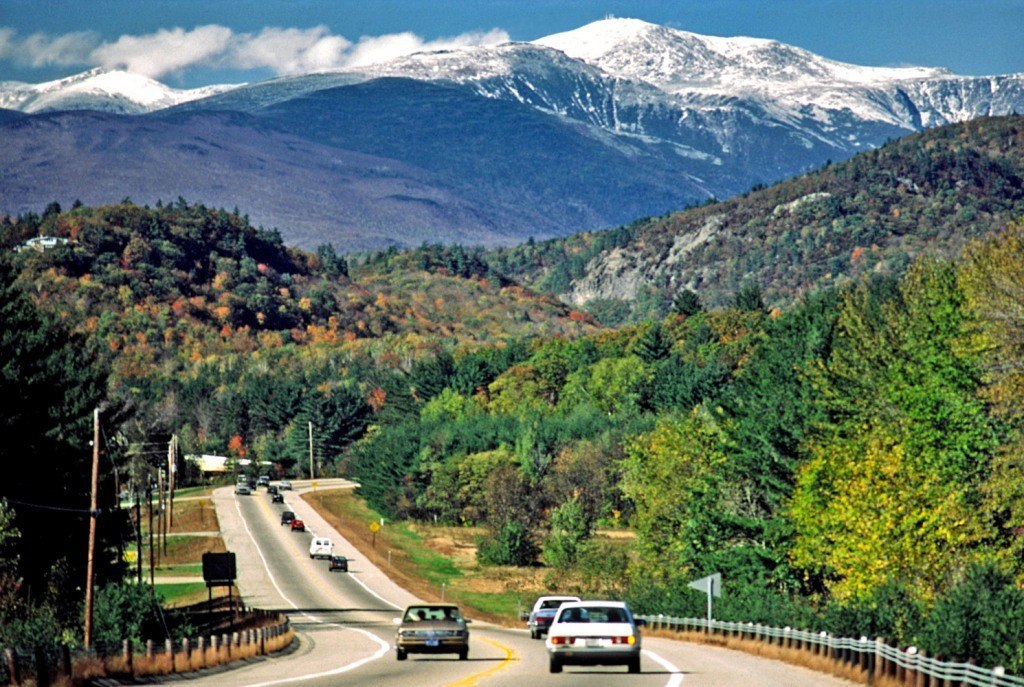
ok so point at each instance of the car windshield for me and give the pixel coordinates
(421, 613)
(594, 614)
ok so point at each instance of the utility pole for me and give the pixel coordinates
(90, 561)
(138, 529)
(311, 475)
(137, 488)
(172, 469)
(161, 513)
(152, 551)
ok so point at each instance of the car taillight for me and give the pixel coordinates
(561, 640)
(628, 639)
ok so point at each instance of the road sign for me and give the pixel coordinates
(374, 526)
(710, 585)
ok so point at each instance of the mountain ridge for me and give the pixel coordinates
(929, 193)
(616, 146)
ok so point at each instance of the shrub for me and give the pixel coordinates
(512, 544)
(982, 618)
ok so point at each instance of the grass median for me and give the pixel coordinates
(434, 562)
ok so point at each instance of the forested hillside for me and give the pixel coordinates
(849, 461)
(929, 193)
(186, 320)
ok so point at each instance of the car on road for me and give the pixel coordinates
(298, 525)
(287, 517)
(543, 612)
(321, 547)
(243, 489)
(284, 485)
(339, 563)
(263, 480)
(593, 633)
(432, 629)
(277, 498)
(271, 489)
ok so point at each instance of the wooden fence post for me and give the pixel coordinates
(879, 664)
(13, 674)
(128, 655)
(865, 660)
(42, 669)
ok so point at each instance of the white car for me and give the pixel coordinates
(284, 485)
(594, 633)
(543, 612)
(321, 547)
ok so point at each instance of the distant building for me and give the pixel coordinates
(207, 463)
(41, 243)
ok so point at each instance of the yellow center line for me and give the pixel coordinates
(471, 680)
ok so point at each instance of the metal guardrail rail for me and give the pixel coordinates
(873, 657)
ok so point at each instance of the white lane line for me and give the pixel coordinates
(382, 646)
(354, 578)
(677, 676)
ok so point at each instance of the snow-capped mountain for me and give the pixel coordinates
(787, 80)
(99, 89)
(576, 131)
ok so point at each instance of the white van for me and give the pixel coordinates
(321, 547)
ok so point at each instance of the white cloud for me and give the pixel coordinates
(166, 51)
(288, 51)
(170, 51)
(376, 49)
(41, 50)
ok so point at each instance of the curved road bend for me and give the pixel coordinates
(345, 629)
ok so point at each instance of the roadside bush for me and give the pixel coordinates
(982, 618)
(891, 612)
(600, 563)
(570, 529)
(125, 611)
(512, 544)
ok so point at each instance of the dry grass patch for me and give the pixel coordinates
(195, 516)
(182, 550)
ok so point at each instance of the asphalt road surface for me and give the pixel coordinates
(344, 624)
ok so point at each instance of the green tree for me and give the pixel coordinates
(748, 298)
(892, 487)
(673, 476)
(980, 619)
(686, 303)
(570, 529)
(653, 344)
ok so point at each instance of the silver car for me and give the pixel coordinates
(432, 629)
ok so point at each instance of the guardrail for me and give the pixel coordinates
(873, 662)
(268, 632)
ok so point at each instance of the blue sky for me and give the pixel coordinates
(188, 43)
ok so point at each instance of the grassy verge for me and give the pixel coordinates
(183, 593)
(433, 561)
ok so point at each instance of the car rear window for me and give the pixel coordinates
(418, 613)
(552, 603)
(594, 614)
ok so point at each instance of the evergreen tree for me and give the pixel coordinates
(686, 303)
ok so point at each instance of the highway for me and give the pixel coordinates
(345, 629)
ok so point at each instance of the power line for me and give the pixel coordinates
(43, 506)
